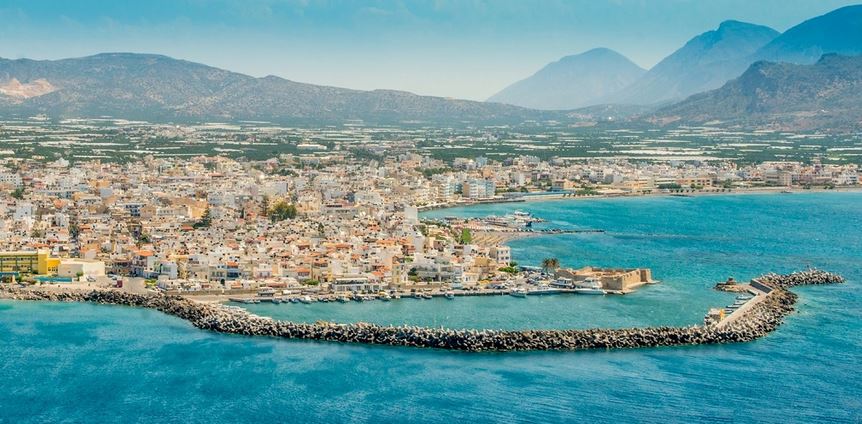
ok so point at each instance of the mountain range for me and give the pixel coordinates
(839, 31)
(598, 72)
(775, 74)
(159, 88)
(784, 95)
(705, 62)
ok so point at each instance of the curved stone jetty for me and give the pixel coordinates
(810, 277)
(759, 320)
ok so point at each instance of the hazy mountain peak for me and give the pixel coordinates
(705, 62)
(839, 31)
(573, 81)
(731, 24)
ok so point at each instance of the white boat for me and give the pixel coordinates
(384, 296)
(590, 285)
(544, 290)
(518, 292)
(450, 295)
(563, 283)
(306, 299)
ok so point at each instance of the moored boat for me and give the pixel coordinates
(590, 285)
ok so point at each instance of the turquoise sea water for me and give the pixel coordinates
(89, 363)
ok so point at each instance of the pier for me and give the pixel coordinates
(756, 320)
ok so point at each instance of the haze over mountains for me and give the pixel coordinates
(598, 73)
(598, 83)
(154, 87)
(824, 94)
(839, 31)
(705, 62)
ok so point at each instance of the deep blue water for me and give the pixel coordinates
(89, 363)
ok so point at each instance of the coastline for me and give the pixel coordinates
(773, 303)
(551, 196)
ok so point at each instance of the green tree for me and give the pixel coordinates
(281, 211)
(264, 205)
(550, 264)
(508, 270)
(205, 221)
(466, 236)
(18, 193)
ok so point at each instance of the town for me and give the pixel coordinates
(333, 223)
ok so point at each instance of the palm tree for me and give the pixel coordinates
(550, 264)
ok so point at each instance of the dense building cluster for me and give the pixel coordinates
(338, 220)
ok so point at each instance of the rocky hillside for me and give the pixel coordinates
(825, 95)
(159, 88)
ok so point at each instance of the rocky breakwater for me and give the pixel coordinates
(758, 321)
(810, 277)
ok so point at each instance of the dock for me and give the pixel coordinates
(759, 293)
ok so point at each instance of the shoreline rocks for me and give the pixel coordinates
(758, 321)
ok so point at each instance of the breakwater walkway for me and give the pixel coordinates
(760, 319)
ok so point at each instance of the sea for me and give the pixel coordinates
(92, 363)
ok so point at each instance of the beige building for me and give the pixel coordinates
(75, 267)
(612, 279)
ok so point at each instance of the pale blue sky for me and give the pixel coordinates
(467, 48)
